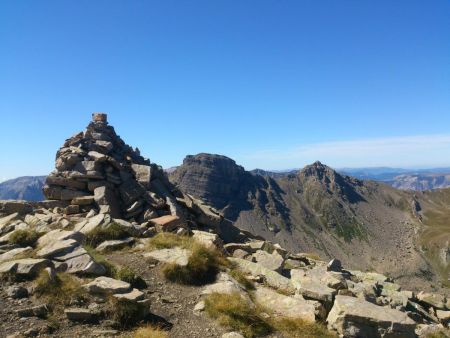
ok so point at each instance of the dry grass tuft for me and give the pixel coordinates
(126, 313)
(63, 290)
(149, 332)
(24, 238)
(167, 240)
(202, 268)
(114, 231)
(299, 328)
(129, 276)
(240, 277)
(230, 311)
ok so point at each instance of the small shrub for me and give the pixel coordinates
(149, 332)
(128, 275)
(24, 237)
(114, 231)
(232, 312)
(111, 269)
(126, 313)
(167, 240)
(202, 268)
(63, 290)
(299, 328)
(240, 277)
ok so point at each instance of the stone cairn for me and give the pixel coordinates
(95, 169)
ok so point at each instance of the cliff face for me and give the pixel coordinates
(363, 223)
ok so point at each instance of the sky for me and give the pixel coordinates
(272, 84)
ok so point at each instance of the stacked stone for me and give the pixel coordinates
(95, 169)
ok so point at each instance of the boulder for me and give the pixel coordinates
(106, 285)
(4, 221)
(134, 295)
(432, 299)
(210, 240)
(33, 311)
(59, 235)
(11, 207)
(273, 261)
(334, 265)
(225, 284)
(80, 315)
(353, 318)
(57, 248)
(90, 224)
(14, 253)
(284, 306)
(115, 244)
(167, 223)
(271, 277)
(28, 267)
(175, 255)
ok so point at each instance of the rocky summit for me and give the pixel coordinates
(117, 251)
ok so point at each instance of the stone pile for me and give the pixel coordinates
(95, 169)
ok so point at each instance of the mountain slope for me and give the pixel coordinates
(367, 225)
(23, 188)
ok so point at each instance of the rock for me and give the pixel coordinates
(174, 255)
(225, 284)
(4, 221)
(444, 316)
(17, 292)
(142, 174)
(86, 200)
(429, 330)
(57, 248)
(11, 207)
(105, 196)
(354, 317)
(84, 265)
(167, 223)
(59, 235)
(238, 253)
(80, 315)
(273, 261)
(14, 253)
(232, 335)
(90, 224)
(284, 306)
(133, 295)
(210, 240)
(199, 307)
(115, 244)
(334, 265)
(102, 285)
(33, 311)
(272, 278)
(28, 267)
(432, 299)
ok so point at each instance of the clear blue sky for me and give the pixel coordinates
(273, 84)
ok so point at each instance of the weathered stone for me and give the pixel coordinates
(334, 265)
(354, 317)
(167, 223)
(8, 219)
(97, 157)
(17, 292)
(115, 244)
(210, 240)
(86, 200)
(273, 261)
(84, 265)
(59, 235)
(444, 316)
(225, 284)
(142, 174)
(33, 311)
(65, 182)
(134, 295)
(284, 306)
(175, 255)
(80, 315)
(104, 195)
(103, 285)
(14, 253)
(11, 207)
(90, 224)
(432, 299)
(27, 267)
(72, 209)
(272, 278)
(57, 248)
(131, 191)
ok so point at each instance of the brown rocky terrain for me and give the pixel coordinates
(366, 224)
(117, 250)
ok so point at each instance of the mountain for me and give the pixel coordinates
(23, 188)
(366, 224)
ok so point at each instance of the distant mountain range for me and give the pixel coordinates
(23, 188)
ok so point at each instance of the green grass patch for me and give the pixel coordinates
(202, 268)
(24, 238)
(129, 276)
(113, 231)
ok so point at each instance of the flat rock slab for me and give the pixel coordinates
(115, 244)
(57, 248)
(90, 224)
(273, 279)
(272, 261)
(9, 255)
(354, 318)
(175, 255)
(27, 267)
(84, 264)
(284, 306)
(166, 223)
(8, 219)
(210, 240)
(134, 295)
(59, 235)
(80, 315)
(107, 285)
(225, 284)
(312, 287)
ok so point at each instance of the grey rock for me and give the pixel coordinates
(103, 285)
(80, 315)
(175, 255)
(17, 292)
(115, 244)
